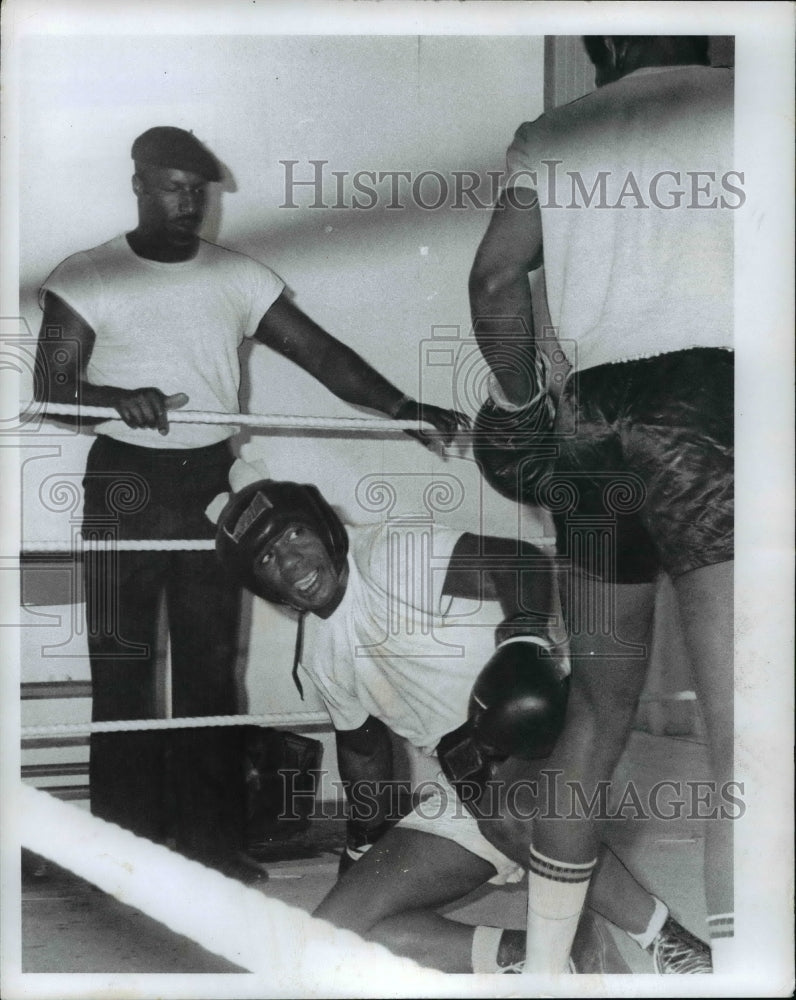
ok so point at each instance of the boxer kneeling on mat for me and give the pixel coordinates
(371, 626)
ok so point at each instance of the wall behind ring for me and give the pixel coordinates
(390, 281)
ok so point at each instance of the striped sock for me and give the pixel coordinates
(556, 893)
(722, 942)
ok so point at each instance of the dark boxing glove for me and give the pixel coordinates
(517, 709)
(359, 840)
(516, 448)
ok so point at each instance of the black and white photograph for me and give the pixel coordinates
(378, 617)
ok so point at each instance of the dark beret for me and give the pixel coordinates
(166, 146)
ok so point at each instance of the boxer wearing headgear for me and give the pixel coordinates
(250, 527)
(147, 322)
(274, 536)
(372, 615)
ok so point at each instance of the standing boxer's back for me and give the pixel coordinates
(637, 190)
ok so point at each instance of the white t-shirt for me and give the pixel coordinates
(628, 277)
(174, 326)
(395, 648)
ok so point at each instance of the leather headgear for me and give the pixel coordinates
(259, 513)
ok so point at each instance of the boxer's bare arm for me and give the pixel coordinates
(500, 297)
(517, 574)
(290, 332)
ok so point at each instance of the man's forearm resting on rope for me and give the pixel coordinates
(284, 328)
(290, 332)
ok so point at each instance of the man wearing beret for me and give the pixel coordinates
(146, 323)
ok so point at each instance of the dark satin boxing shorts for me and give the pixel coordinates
(638, 471)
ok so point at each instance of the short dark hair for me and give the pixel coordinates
(674, 48)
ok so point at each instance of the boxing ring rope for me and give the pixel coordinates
(142, 725)
(270, 421)
(261, 935)
(360, 424)
(123, 545)
(80, 544)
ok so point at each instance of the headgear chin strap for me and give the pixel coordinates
(259, 513)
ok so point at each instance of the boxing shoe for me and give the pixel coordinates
(676, 950)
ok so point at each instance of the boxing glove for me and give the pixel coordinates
(517, 708)
(516, 449)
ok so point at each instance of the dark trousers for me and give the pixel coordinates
(185, 784)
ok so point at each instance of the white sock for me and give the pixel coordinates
(722, 942)
(556, 894)
(486, 941)
(653, 928)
